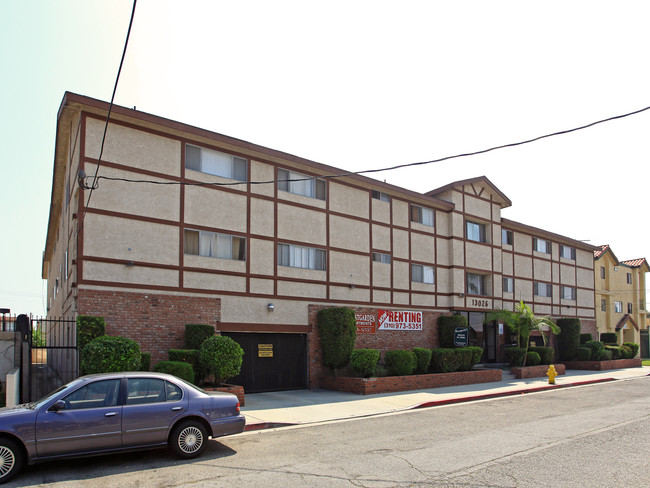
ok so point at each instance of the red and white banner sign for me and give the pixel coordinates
(399, 320)
(366, 323)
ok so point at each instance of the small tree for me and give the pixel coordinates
(522, 321)
(338, 333)
(221, 357)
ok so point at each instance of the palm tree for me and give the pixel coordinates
(522, 321)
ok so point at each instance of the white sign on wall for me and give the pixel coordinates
(399, 320)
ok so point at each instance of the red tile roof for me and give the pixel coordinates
(622, 322)
(599, 252)
(634, 263)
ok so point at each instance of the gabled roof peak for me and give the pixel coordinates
(474, 183)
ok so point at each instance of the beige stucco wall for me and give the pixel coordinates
(213, 208)
(423, 248)
(381, 211)
(301, 224)
(292, 288)
(381, 273)
(262, 172)
(119, 273)
(262, 256)
(218, 282)
(381, 237)
(401, 275)
(400, 213)
(254, 310)
(477, 208)
(262, 217)
(478, 256)
(348, 200)
(349, 234)
(400, 244)
(217, 264)
(349, 268)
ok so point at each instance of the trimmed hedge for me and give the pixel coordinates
(145, 361)
(446, 326)
(465, 356)
(605, 355)
(195, 334)
(635, 348)
(584, 353)
(477, 354)
(568, 340)
(545, 353)
(423, 359)
(532, 359)
(586, 337)
(515, 355)
(618, 352)
(338, 333)
(609, 338)
(597, 350)
(221, 357)
(89, 328)
(179, 369)
(190, 356)
(364, 361)
(444, 360)
(110, 354)
(400, 363)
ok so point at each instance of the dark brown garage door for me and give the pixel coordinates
(271, 362)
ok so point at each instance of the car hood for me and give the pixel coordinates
(15, 410)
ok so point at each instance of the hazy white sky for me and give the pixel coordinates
(352, 84)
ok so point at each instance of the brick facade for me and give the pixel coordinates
(155, 321)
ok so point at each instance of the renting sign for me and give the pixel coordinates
(366, 323)
(399, 320)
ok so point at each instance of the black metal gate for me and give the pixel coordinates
(48, 356)
(271, 362)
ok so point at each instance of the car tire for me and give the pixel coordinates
(11, 459)
(188, 439)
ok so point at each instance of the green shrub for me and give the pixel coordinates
(609, 338)
(605, 355)
(145, 361)
(515, 356)
(190, 356)
(110, 354)
(338, 333)
(617, 351)
(477, 354)
(586, 337)
(597, 349)
(88, 329)
(195, 334)
(364, 361)
(423, 357)
(220, 357)
(380, 370)
(584, 353)
(400, 363)
(177, 368)
(625, 352)
(635, 348)
(545, 353)
(444, 360)
(446, 326)
(533, 358)
(465, 356)
(568, 339)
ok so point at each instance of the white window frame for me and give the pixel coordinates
(380, 195)
(544, 248)
(508, 284)
(380, 257)
(476, 231)
(216, 245)
(603, 305)
(568, 293)
(618, 307)
(542, 289)
(421, 273)
(422, 215)
(567, 252)
(507, 237)
(629, 278)
(216, 163)
(301, 184)
(476, 284)
(302, 257)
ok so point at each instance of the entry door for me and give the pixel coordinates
(271, 362)
(490, 334)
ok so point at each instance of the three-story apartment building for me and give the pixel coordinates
(188, 226)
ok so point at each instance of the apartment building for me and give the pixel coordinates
(620, 295)
(188, 226)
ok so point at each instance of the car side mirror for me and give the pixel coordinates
(58, 405)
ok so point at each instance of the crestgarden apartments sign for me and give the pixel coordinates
(388, 320)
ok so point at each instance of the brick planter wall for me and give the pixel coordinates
(236, 390)
(604, 365)
(536, 371)
(390, 384)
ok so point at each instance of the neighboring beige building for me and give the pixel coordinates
(620, 295)
(254, 241)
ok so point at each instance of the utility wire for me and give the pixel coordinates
(390, 168)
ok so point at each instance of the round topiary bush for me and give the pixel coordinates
(533, 359)
(584, 354)
(400, 363)
(634, 347)
(364, 361)
(108, 354)
(177, 368)
(221, 357)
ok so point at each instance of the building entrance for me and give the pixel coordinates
(483, 335)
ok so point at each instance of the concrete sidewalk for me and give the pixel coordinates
(278, 409)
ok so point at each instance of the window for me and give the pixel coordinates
(541, 245)
(476, 284)
(422, 274)
(300, 184)
(65, 266)
(506, 237)
(629, 308)
(568, 293)
(602, 272)
(215, 163)
(422, 215)
(603, 304)
(94, 395)
(301, 257)
(213, 245)
(140, 391)
(567, 252)
(380, 195)
(508, 285)
(380, 257)
(618, 307)
(543, 289)
(629, 278)
(475, 231)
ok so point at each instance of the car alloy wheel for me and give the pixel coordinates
(11, 460)
(188, 439)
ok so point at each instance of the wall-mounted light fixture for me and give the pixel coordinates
(271, 307)
(461, 295)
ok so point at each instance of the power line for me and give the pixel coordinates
(352, 173)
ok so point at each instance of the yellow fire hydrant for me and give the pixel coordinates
(551, 373)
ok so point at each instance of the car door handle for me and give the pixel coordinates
(174, 409)
(110, 414)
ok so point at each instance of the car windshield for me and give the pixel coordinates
(46, 398)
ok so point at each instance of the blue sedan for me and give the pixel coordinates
(113, 412)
